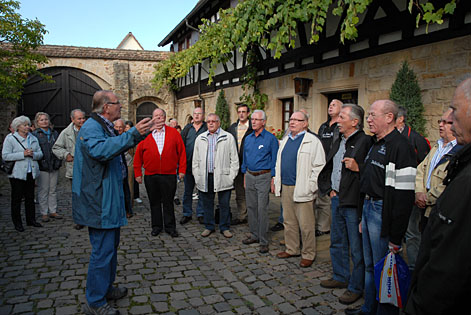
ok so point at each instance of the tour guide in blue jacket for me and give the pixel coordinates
(98, 197)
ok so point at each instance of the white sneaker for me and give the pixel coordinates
(195, 196)
(138, 200)
(227, 234)
(206, 233)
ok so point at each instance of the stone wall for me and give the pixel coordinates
(126, 72)
(438, 66)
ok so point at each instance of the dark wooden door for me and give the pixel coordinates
(71, 89)
(144, 110)
(350, 97)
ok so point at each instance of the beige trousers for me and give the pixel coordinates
(298, 216)
(322, 210)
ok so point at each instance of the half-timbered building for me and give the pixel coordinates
(359, 71)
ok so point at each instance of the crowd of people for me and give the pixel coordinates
(382, 190)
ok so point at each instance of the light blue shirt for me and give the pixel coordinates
(441, 151)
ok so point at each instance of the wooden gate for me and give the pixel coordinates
(71, 89)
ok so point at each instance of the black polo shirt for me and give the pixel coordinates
(373, 177)
(326, 136)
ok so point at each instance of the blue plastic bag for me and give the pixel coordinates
(392, 279)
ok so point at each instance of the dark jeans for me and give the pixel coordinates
(102, 266)
(345, 238)
(375, 247)
(161, 190)
(189, 182)
(127, 196)
(19, 189)
(207, 199)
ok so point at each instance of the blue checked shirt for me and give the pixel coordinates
(212, 138)
(110, 126)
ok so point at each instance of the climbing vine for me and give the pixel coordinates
(272, 25)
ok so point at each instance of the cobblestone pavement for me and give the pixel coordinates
(44, 270)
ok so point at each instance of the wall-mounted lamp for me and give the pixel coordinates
(301, 86)
(197, 102)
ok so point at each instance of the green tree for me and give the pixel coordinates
(19, 39)
(222, 110)
(405, 91)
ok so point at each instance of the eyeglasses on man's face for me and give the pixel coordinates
(296, 120)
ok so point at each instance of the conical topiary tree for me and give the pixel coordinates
(222, 110)
(405, 91)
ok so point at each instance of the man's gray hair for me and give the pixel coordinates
(356, 112)
(304, 111)
(402, 112)
(390, 107)
(20, 120)
(100, 98)
(264, 116)
(202, 110)
(72, 113)
(121, 120)
(213, 114)
(162, 110)
(306, 116)
(465, 83)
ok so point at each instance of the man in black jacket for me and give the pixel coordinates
(422, 148)
(387, 182)
(240, 130)
(340, 180)
(442, 279)
(328, 134)
(189, 134)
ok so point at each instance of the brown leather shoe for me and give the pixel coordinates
(333, 284)
(285, 255)
(249, 241)
(305, 263)
(349, 297)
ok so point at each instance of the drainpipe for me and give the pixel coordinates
(199, 70)
(191, 27)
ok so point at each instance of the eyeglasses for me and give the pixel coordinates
(440, 121)
(114, 103)
(212, 121)
(294, 119)
(256, 119)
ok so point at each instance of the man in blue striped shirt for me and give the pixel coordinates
(260, 150)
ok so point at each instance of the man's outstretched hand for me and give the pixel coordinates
(146, 125)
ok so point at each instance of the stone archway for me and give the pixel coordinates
(71, 89)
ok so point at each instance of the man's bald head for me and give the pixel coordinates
(461, 112)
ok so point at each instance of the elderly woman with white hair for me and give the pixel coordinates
(49, 167)
(22, 148)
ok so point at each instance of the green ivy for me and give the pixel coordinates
(271, 25)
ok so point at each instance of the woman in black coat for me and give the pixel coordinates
(49, 167)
